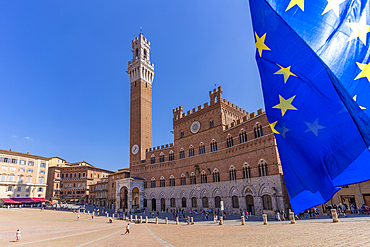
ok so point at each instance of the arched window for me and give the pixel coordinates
(152, 159)
(258, 130)
(235, 201)
(191, 151)
(183, 202)
(232, 173)
(193, 179)
(182, 153)
(162, 182)
(246, 171)
(267, 203)
(172, 180)
(213, 146)
(202, 148)
(230, 141)
(217, 202)
(194, 202)
(183, 179)
(152, 182)
(137, 52)
(216, 175)
(262, 168)
(243, 136)
(211, 123)
(205, 202)
(144, 53)
(203, 177)
(171, 156)
(172, 202)
(161, 157)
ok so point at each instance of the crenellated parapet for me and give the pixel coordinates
(244, 119)
(215, 95)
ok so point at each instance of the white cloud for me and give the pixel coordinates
(14, 136)
(28, 138)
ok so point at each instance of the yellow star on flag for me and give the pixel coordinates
(260, 44)
(272, 126)
(359, 29)
(355, 99)
(292, 3)
(365, 71)
(285, 72)
(285, 105)
(333, 5)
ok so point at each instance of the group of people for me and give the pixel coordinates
(341, 209)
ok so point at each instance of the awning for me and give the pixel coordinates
(24, 200)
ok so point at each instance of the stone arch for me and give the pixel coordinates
(181, 149)
(161, 178)
(172, 176)
(162, 195)
(264, 190)
(192, 174)
(171, 152)
(215, 170)
(153, 196)
(190, 146)
(203, 172)
(204, 193)
(249, 190)
(217, 192)
(234, 192)
(231, 167)
(261, 162)
(182, 175)
(192, 194)
(153, 179)
(246, 164)
(161, 154)
(183, 194)
(152, 156)
(172, 194)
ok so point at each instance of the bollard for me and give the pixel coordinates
(292, 218)
(131, 218)
(113, 216)
(141, 219)
(166, 220)
(146, 219)
(135, 218)
(243, 220)
(191, 221)
(334, 215)
(264, 216)
(156, 220)
(221, 221)
(106, 215)
(177, 220)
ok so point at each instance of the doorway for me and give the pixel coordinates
(250, 204)
(154, 208)
(163, 204)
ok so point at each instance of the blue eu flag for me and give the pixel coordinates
(314, 62)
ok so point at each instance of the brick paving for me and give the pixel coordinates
(58, 228)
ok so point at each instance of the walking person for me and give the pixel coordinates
(128, 228)
(78, 217)
(18, 235)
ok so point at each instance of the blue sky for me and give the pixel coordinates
(64, 87)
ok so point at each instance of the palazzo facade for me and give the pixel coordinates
(221, 154)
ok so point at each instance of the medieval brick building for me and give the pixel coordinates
(220, 153)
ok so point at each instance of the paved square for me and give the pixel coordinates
(61, 228)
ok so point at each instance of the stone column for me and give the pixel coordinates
(146, 219)
(177, 220)
(191, 221)
(221, 220)
(166, 220)
(243, 220)
(156, 220)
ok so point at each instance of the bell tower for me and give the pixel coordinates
(141, 73)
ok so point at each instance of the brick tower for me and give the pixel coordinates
(141, 74)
